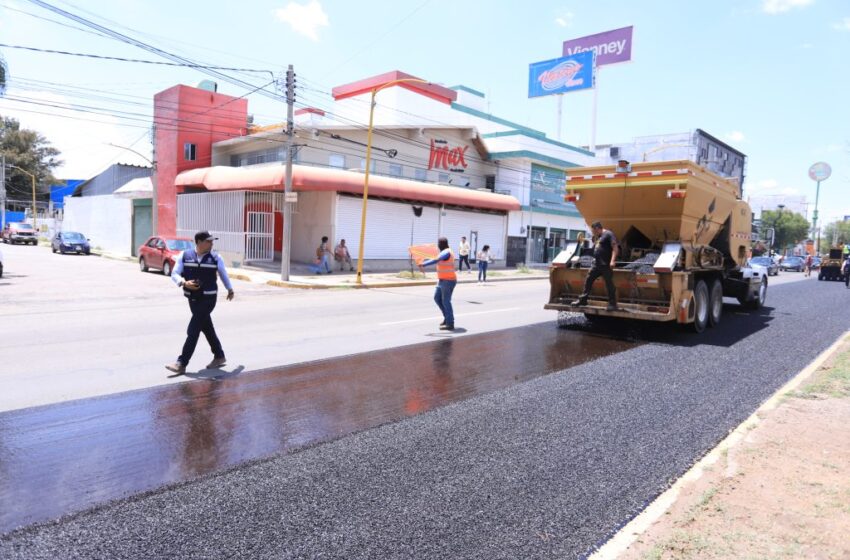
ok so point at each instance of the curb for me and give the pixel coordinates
(311, 286)
(630, 532)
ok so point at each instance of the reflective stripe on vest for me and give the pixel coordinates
(446, 268)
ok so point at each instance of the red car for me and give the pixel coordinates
(160, 252)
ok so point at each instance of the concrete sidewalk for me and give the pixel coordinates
(302, 277)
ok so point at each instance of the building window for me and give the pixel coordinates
(363, 165)
(189, 152)
(336, 160)
(396, 170)
(490, 182)
(443, 178)
(420, 174)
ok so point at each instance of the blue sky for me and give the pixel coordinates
(767, 76)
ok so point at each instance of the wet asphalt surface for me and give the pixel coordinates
(541, 467)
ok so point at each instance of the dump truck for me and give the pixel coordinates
(684, 240)
(832, 267)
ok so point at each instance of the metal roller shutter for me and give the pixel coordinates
(490, 227)
(388, 227)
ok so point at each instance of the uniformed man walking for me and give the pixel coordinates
(196, 271)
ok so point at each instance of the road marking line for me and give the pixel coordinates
(626, 536)
(458, 315)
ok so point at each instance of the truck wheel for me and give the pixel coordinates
(820, 276)
(701, 306)
(757, 301)
(715, 303)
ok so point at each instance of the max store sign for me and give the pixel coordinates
(444, 157)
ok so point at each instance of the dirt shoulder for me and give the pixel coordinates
(783, 491)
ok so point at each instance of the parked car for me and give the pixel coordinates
(160, 252)
(70, 242)
(796, 264)
(816, 263)
(767, 263)
(1, 264)
(20, 232)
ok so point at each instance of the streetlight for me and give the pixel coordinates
(34, 222)
(153, 182)
(375, 91)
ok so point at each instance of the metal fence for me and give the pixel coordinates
(244, 221)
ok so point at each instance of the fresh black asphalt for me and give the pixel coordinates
(545, 469)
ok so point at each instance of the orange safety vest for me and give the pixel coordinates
(446, 268)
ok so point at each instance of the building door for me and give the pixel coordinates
(538, 245)
(557, 242)
(142, 224)
(473, 245)
(259, 237)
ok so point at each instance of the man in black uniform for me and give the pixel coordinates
(604, 256)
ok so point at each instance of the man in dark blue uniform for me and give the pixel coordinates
(604, 258)
(196, 271)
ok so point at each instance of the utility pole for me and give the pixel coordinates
(285, 253)
(3, 193)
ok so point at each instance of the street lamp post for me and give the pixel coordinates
(153, 182)
(34, 210)
(375, 91)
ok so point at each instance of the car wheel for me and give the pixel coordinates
(142, 265)
(53, 249)
(166, 268)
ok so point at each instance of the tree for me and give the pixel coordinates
(834, 234)
(30, 151)
(789, 227)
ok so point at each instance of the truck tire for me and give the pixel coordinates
(757, 301)
(701, 307)
(715, 303)
(820, 276)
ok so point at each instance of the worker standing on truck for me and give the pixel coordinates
(604, 257)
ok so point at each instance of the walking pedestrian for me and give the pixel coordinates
(463, 255)
(446, 282)
(483, 259)
(809, 261)
(196, 271)
(604, 257)
(323, 253)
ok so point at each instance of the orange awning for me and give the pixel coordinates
(307, 178)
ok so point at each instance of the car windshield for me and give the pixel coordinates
(22, 226)
(762, 260)
(793, 259)
(73, 236)
(179, 244)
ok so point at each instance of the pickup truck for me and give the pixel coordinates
(19, 232)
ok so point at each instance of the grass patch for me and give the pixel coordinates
(415, 275)
(832, 382)
(495, 274)
(522, 269)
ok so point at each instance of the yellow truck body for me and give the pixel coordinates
(684, 239)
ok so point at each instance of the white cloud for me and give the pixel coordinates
(735, 136)
(304, 19)
(806, 46)
(565, 20)
(767, 184)
(789, 191)
(781, 6)
(843, 25)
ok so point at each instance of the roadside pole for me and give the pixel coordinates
(3, 192)
(287, 189)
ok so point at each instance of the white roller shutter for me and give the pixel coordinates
(490, 227)
(388, 227)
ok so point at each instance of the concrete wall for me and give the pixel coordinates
(313, 218)
(106, 220)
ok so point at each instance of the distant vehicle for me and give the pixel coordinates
(19, 232)
(797, 264)
(70, 242)
(160, 252)
(1, 264)
(767, 263)
(816, 263)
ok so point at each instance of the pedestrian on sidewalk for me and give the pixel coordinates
(809, 261)
(483, 259)
(342, 256)
(604, 258)
(196, 271)
(463, 255)
(446, 282)
(323, 253)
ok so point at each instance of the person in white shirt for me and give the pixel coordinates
(463, 255)
(483, 259)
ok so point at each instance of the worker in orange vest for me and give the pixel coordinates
(446, 282)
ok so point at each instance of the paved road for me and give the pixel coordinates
(77, 326)
(546, 468)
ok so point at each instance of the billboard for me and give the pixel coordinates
(561, 75)
(610, 47)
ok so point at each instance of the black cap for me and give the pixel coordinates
(204, 236)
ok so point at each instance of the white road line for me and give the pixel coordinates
(457, 315)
